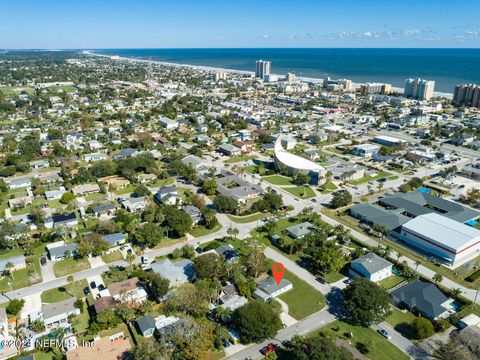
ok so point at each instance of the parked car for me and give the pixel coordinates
(268, 349)
(86, 291)
(101, 287)
(385, 334)
(43, 261)
(93, 285)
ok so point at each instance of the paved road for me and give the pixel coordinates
(304, 326)
(402, 342)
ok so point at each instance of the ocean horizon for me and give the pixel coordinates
(447, 67)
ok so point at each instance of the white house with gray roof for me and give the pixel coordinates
(371, 267)
(268, 289)
(300, 230)
(177, 272)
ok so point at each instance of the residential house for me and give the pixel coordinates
(177, 272)
(18, 263)
(55, 194)
(194, 213)
(195, 162)
(227, 252)
(115, 239)
(56, 314)
(104, 302)
(229, 150)
(19, 183)
(61, 221)
(300, 230)
(114, 181)
(85, 189)
(371, 267)
(135, 204)
(125, 153)
(167, 195)
(243, 191)
(146, 326)
(424, 298)
(95, 157)
(229, 298)
(60, 250)
(130, 290)
(104, 212)
(168, 124)
(269, 289)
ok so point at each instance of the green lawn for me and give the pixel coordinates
(22, 278)
(398, 317)
(278, 180)
(391, 281)
(70, 266)
(95, 196)
(328, 187)
(365, 179)
(126, 190)
(381, 348)
(114, 256)
(333, 277)
(62, 293)
(160, 182)
(303, 300)
(248, 218)
(299, 191)
(200, 230)
(236, 159)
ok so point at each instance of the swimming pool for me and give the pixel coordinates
(456, 306)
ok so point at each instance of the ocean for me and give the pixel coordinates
(448, 67)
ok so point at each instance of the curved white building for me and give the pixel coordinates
(295, 163)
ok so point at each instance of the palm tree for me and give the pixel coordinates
(131, 259)
(437, 278)
(416, 265)
(9, 266)
(233, 232)
(456, 292)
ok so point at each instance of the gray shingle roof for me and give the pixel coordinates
(371, 263)
(423, 296)
(419, 203)
(376, 215)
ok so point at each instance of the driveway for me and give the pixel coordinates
(95, 261)
(47, 271)
(98, 280)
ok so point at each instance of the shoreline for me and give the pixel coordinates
(235, 71)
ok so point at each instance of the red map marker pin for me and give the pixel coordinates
(278, 270)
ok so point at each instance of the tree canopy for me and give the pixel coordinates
(256, 321)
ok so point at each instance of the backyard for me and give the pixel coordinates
(304, 192)
(278, 180)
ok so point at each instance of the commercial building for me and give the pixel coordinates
(220, 75)
(387, 140)
(295, 163)
(365, 150)
(290, 78)
(375, 88)
(262, 68)
(467, 94)
(419, 89)
(445, 239)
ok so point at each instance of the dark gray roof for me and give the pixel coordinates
(419, 203)
(269, 285)
(371, 263)
(425, 297)
(379, 216)
(146, 323)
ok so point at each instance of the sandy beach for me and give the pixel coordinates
(234, 71)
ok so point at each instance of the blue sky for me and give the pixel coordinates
(55, 24)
